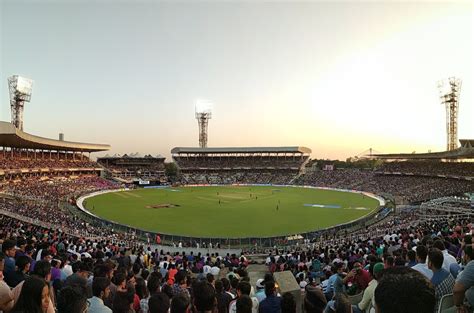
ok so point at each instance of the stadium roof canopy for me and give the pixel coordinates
(12, 137)
(135, 155)
(224, 150)
(466, 151)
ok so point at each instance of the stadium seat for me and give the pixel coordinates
(446, 302)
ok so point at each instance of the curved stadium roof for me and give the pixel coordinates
(223, 150)
(466, 151)
(10, 136)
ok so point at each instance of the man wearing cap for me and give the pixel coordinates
(260, 293)
(376, 271)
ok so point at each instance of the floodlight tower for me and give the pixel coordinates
(203, 115)
(449, 91)
(20, 92)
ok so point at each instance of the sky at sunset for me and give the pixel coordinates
(337, 77)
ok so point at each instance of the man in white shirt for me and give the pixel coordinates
(100, 292)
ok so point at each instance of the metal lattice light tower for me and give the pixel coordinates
(20, 92)
(449, 90)
(203, 115)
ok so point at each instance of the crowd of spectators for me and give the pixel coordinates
(461, 169)
(43, 161)
(276, 177)
(56, 188)
(405, 188)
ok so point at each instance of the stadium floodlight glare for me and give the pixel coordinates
(203, 112)
(20, 92)
(449, 91)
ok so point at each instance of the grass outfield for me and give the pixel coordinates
(248, 211)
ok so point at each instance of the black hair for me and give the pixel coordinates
(42, 269)
(244, 287)
(435, 256)
(99, 284)
(72, 299)
(269, 288)
(179, 304)
(21, 262)
(141, 288)
(421, 252)
(154, 282)
(404, 290)
(288, 303)
(159, 303)
(122, 300)
(204, 296)
(244, 304)
(30, 299)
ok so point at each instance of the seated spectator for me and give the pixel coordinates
(442, 280)
(463, 295)
(340, 304)
(367, 301)
(404, 290)
(421, 266)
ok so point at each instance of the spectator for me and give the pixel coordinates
(462, 293)
(404, 290)
(367, 301)
(288, 303)
(244, 304)
(22, 268)
(6, 296)
(159, 303)
(271, 303)
(34, 297)
(421, 266)
(223, 298)
(100, 292)
(9, 250)
(442, 280)
(314, 300)
(204, 297)
(180, 304)
(243, 288)
(72, 299)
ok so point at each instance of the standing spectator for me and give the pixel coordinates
(159, 303)
(22, 268)
(72, 299)
(288, 303)
(243, 304)
(100, 292)
(243, 288)
(34, 296)
(8, 248)
(223, 298)
(272, 303)
(180, 304)
(6, 296)
(204, 297)
(448, 259)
